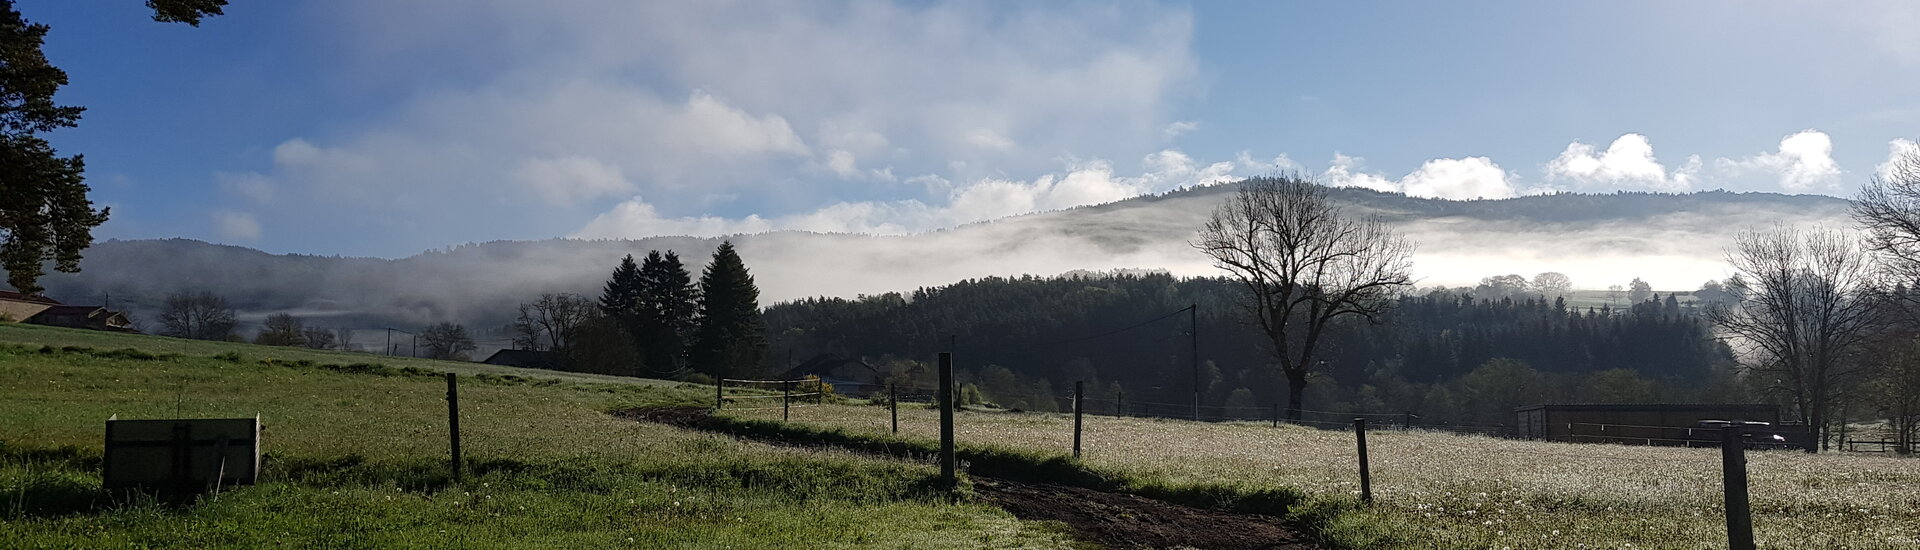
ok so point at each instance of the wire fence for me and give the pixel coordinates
(749, 394)
(1119, 405)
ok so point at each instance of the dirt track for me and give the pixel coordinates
(1116, 520)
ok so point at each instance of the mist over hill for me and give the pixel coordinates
(1674, 241)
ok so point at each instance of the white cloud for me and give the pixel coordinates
(236, 225)
(563, 106)
(1897, 150)
(1178, 128)
(635, 217)
(708, 123)
(841, 163)
(1459, 179)
(1628, 163)
(570, 179)
(1082, 183)
(250, 185)
(986, 139)
(1346, 171)
(1279, 164)
(1804, 162)
(1455, 179)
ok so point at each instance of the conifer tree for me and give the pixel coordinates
(621, 297)
(668, 303)
(730, 339)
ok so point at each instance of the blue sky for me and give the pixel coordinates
(383, 128)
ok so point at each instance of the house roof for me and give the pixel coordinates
(19, 297)
(82, 311)
(527, 358)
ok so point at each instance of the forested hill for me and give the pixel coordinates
(1447, 355)
(1675, 241)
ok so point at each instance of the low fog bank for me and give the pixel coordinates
(1675, 242)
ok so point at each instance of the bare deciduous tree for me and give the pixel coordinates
(343, 338)
(447, 341)
(1305, 265)
(199, 315)
(1553, 284)
(317, 338)
(1888, 207)
(1809, 302)
(281, 329)
(548, 323)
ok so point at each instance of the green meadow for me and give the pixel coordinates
(356, 451)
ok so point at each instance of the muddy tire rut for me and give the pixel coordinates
(1115, 520)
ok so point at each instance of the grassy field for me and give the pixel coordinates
(1436, 490)
(356, 459)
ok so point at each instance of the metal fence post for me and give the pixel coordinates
(945, 397)
(1366, 479)
(1079, 388)
(453, 422)
(1733, 477)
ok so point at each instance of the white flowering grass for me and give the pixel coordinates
(1440, 490)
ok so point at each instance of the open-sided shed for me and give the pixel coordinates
(1638, 423)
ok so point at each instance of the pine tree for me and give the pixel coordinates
(731, 338)
(668, 303)
(621, 297)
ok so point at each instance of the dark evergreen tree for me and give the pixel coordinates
(667, 304)
(620, 299)
(730, 340)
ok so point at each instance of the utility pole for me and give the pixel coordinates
(1193, 341)
(389, 341)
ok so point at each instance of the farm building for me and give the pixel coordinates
(550, 360)
(41, 310)
(18, 307)
(1646, 424)
(87, 317)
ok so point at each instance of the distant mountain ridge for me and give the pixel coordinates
(1673, 240)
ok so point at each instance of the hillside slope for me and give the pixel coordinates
(1674, 241)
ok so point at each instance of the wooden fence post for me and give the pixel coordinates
(1120, 403)
(1079, 388)
(453, 422)
(786, 397)
(719, 393)
(893, 404)
(1733, 477)
(1366, 478)
(1276, 414)
(945, 397)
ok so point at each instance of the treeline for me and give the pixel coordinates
(1447, 356)
(653, 320)
(203, 315)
